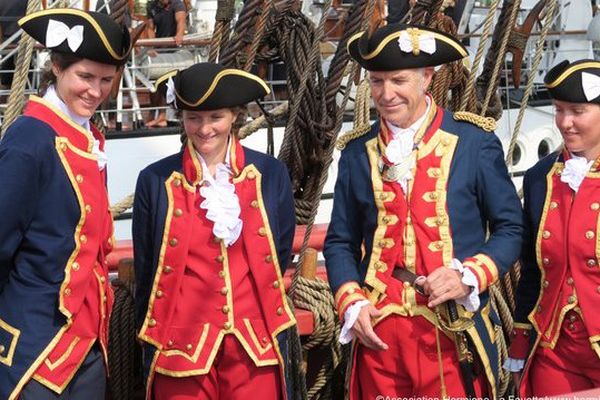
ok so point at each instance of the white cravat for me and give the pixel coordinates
(575, 170)
(51, 97)
(221, 203)
(402, 144)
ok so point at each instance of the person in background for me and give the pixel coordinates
(56, 230)
(556, 340)
(166, 18)
(212, 232)
(425, 218)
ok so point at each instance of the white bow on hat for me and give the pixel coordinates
(426, 42)
(591, 85)
(57, 32)
(170, 95)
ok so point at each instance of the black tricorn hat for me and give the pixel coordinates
(577, 82)
(209, 86)
(402, 46)
(90, 35)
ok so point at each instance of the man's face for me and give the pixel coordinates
(399, 96)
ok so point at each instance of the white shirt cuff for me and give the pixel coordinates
(350, 317)
(513, 364)
(471, 301)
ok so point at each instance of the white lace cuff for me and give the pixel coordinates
(350, 317)
(471, 301)
(513, 364)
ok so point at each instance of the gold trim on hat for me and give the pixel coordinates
(571, 70)
(218, 77)
(82, 14)
(396, 35)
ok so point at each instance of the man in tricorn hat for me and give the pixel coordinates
(425, 219)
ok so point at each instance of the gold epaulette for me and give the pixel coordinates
(355, 133)
(488, 124)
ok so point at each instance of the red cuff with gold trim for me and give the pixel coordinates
(484, 269)
(348, 294)
(519, 346)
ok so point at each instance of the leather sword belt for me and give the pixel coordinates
(404, 275)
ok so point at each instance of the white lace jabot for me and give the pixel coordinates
(575, 170)
(221, 203)
(52, 97)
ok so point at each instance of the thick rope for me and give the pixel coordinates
(498, 303)
(118, 9)
(225, 13)
(551, 10)
(508, 28)
(468, 100)
(16, 99)
(362, 124)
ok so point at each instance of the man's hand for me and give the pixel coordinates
(363, 328)
(444, 284)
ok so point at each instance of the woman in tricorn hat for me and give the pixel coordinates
(212, 229)
(56, 228)
(557, 330)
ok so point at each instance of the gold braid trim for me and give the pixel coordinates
(488, 124)
(355, 133)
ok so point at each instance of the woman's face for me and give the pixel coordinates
(84, 85)
(579, 125)
(209, 130)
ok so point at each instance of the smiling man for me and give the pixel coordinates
(425, 218)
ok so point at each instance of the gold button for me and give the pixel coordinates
(526, 333)
(219, 258)
(410, 242)
(572, 299)
(408, 220)
(159, 293)
(546, 283)
(380, 266)
(381, 244)
(269, 258)
(546, 234)
(439, 244)
(178, 212)
(2, 348)
(559, 171)
(383, 196)
(569, 281)
(170, 343)
(104, 298)
(225, 309)
(67, 291)
(63, 146)
(152, 323)
(102, 279)
(385, 219)
(221, 274)
(251, 175)
(79, 178)
(265, 339)
(188, 347)
(589, 235)
(254, 204)
(436, 172)
(227, 325)
(276, 284)
(262, 231)
(433, 196)
(167, 269)
(553, 205)
(173, 242)
(351, 291)
(595, 206)
(440, 221)
(75, 266)
(591, 262)
(546, 261)
(571, 326)
(224, 291)
(572, 317)
(177, 182)
(279, 311)
(83, 239)
(445, 141)
(88, 208)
